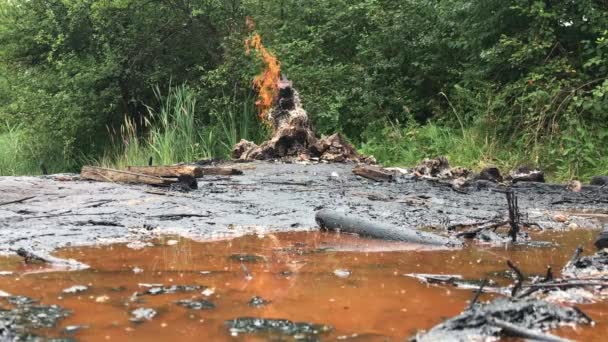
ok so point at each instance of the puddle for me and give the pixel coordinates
(355, 285)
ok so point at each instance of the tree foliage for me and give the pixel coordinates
(530, 74)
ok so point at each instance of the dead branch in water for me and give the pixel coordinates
(518, 331)
(520, 278)
(478, 293)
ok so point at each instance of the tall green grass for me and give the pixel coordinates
(173, 134)
(469, 147)
(15, 156)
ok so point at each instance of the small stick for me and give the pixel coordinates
(513, 214)
(520, 278)
(17, 201)
(247, 274)
(478, 293)
(575, 257)
(549, 275)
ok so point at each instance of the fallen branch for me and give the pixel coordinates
(518, 331)
(478, 293)
(118, 176)
(17, 201)
(177, 216)
(520, 278)
(565, 284)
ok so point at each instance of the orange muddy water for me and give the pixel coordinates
(355, 285)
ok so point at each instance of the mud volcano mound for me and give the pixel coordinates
(294, 137)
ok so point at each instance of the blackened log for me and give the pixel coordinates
(335, 221)
(518, 331)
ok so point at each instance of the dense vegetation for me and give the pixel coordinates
(493, 81)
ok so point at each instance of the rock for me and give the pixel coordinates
(591, 266)
(71, 329)
(601, 241)
(142, 314)
(102, 299)
(560, 218)
(208, 292)
(28, 316)
(574, 186)
(527, 174)
(599, 180)
(200, 304)
(185, 183)
(250, 325)
(341, 273)
(490, 173)
(155, 290)
(432, 167)
(258, 301)
(75, 289)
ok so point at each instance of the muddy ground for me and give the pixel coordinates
(65, 211)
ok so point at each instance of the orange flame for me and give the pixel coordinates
(267, 81)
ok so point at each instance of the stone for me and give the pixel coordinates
(142, 314)
(196, 304)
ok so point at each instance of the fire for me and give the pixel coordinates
(267, 81)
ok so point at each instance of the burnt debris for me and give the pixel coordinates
(25, 316)
(293, 136)
(274, 327)
(484, 320)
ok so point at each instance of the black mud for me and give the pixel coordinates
(268, 197)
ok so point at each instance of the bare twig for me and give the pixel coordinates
(513, 214)
(478, 293)
(17, 201)
(520, 278)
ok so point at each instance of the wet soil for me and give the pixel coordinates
(355, 285)
(61, 210)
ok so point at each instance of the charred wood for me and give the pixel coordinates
(334, 221)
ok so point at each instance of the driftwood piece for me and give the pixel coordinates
(334, 221)
(117, 176)
(168, 171)
(184, 170)
(373, 173)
